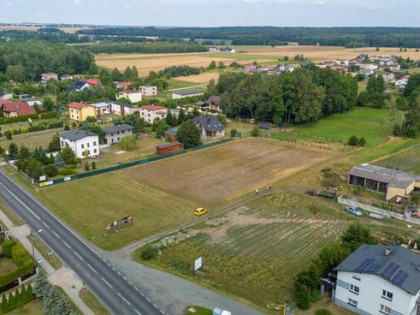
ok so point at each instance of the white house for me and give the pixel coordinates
(45, 77)
(210, 127)
(148, 90)
(80, 141)
(378, 279)
(102, 108)
(152, 112)
(132, 95)
(114, 134)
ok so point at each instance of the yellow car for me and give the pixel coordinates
(200, 211)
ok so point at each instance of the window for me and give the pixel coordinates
(88, 144)
(82, 146)
(354, 289)
(387, 295)
(94, 150)
(385, 309)
(352, 302)
(94, 143)
(356, 278)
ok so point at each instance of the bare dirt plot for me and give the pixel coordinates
(327, 52)
(202, 77)
(216, 175)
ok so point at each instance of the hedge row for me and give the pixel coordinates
(16, 300)
(9, 120)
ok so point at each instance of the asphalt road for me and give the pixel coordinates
(100, 276)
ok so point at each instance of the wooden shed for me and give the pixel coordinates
(169, 148)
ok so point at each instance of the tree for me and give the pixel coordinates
(93, 164)
(50, 170)
(16, 73)
(134, 72)
(127, 143)
(13, 151)
(23, 152)
(221, 65)
(93, 68)
(160, 128)
(233, 132)
(34, 169)
(212, 65)
(54, 145)
(127, 73)
(41, 284)
(188, 134)
(181, 116)
(353, 141)
(68, 155)
(357, 235)
(255, 132)
(48, 103)
(170, 119)
(8, 134)
(362, 141)
(58, 160)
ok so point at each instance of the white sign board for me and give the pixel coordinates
(66, 179)
(198, 263)
(42, 178)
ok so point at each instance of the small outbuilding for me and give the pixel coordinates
(168, 148)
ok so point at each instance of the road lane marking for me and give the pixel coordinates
(107, 283)
(93, 269)
(56, 235)
(135, 310)
(123, 298)
(77, 254)
(65, 243)
(46, 225)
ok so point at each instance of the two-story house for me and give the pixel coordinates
(378, 279)
(80, 141)
(148, 90)
(152, 112)
(115, 133)
(210, 127)
(80, 111)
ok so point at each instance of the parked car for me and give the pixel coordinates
(354, 210)
(416, 214)
(200, 211)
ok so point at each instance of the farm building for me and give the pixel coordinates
(210, 127)
(392, 183)
(148, 90)
(115, 133)
(80, 111)
(186, 93)
(169, 148)
(378, 279)
(80, 141)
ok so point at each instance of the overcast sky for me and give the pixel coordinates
(215, 12)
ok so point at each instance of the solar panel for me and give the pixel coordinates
(373, 267)
(365, 264)
(390, 270)
(399, 277)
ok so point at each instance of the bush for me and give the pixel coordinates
(233, 133)
(255, 132)
(7, 248)
(129, 142)
(353, 140)
(322, 311)
(50, 170)
(149, 252)
(66, 171)
(362, 141)
(93, 165)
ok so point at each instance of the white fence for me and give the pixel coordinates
(385, 213)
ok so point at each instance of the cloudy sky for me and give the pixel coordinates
(215, 12)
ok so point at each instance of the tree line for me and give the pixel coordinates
(21, 61)
(149, 48)
(331, 36)
(304, 96)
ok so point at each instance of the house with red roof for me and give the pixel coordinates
(16, 108)
(152, 112)
(93, 82)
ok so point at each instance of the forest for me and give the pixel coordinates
(304, 96)
(148, 48)
(328, 36)
(21, 61)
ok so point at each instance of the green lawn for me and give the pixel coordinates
(373, 124)
(45, 251)
(31, 140)
(406, 160)
(198, 310)
(32, 308)
(93, 303)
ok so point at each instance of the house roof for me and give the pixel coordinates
(76, 105)
(19, 107)
(123, 83)
(148, 86)
(49, 73)
(93, 81)
(117, 128)
(171, 131)
(153, 107)
(209, 123)
(78, 85)
(188, 92)
(101, 104)
(393, 178)
(215, 100)
(168, 145)
(74, 135)
(401, 267)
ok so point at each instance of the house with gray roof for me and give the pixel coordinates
(210, 127)
(379, 279)
(115, 133)
(393, 183)
(80, 141)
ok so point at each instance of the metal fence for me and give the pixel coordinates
(129, 164)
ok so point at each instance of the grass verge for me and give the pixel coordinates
(93, 303)
(45, 251)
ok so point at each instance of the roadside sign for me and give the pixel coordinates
(198, 263)
(42, 178)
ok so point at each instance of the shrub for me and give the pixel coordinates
(255, 132)
(7, 248)
(233, 133)
(129, 142)
(50, 170)
(66, 171)
(149, 252)
(93, 165)
(353, 140)
(322, 311)
(362, 141)
(8, 134)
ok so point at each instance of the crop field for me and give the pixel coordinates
(204, 77)
(373, 124)
(254, 252)
(216, 175)
(405, 160)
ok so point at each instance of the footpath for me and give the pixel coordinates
(64, 277)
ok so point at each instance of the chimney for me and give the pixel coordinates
(388, 251)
